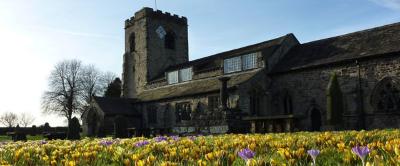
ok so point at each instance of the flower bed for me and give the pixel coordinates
(378, 147)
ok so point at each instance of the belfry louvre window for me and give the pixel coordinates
(180, 75)
(169, 40)
(132, 44)
(239, 63)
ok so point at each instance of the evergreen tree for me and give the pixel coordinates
(114, 89)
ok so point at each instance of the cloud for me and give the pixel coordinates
(391, 4)
(73, 33)
(84, 34)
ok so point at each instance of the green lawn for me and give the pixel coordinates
(29, 137)
(5, 138)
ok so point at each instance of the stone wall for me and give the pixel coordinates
(308, 89)
(150, 57)
(203, 120)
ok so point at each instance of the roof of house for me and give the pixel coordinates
(371, 42)
(120, 106)
(195, 86)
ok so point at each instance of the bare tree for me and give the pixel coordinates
(9, 119)
(107, 78)
(64, 89)
(72, 86)
(26, 119)
(92, 85)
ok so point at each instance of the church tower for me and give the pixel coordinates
(154, 41)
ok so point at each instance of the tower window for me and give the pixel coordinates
(132, 43)
(169, 40)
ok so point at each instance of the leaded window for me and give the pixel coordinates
(232, 64)
(173, 77)
(385, 96)
(185, 74)
(183, 111)
(249, 61)
(180, 75)
(239, 63)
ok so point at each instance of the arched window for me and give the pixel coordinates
(287, 103)
(315, 119)
(182, 112)
(152, 114)
(255, 101)
(132, 43)
(169, 40)
(386, 95)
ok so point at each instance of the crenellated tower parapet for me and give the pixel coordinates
(158, 14)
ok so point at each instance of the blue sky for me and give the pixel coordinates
(36, 34)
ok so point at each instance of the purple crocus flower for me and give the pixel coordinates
(160, 139)
(192, 138)
(361, 151)
(42, 142)
(141, 143)
(246, 154)
(175, 138)
(106, 142)
(313, 153)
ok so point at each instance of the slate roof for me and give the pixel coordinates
(120, 106)
(214, 62)
(195, 86)
(372, 42)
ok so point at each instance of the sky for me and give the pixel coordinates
(36, 34)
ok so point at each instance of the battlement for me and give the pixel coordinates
(158, 14)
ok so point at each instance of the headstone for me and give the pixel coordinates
(120, 127)
(74, 129)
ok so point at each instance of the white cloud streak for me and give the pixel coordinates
(391, 4)
(73, 33)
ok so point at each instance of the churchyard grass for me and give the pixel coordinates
(28, 137)
(5, 137)
(376, 147)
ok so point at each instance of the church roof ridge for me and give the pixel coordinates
(377, 41)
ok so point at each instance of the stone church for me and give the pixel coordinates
(280, 85)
